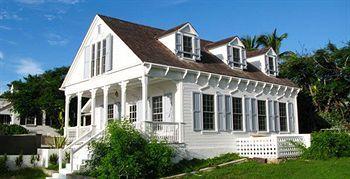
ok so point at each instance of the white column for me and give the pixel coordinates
(144, 81)
(179, 108)
(66, 115)
(123, 98)
(296, 115)
(43, 118)
(80, 95)
(93, 106)
(105, 106)
(267, 115)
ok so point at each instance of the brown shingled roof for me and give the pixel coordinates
(170, 30)
(141, 40)
(258, 52)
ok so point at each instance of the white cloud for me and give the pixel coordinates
(3, 27)
(8, 41)
(173, 2)
(49, 17)
(1, 55)
(28, 66)
(38, 2)
(55, 39)
(5, 15)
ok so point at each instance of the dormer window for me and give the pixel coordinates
(271, 65)
(236, 57)
(187, 46)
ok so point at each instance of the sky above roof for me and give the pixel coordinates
(37, 35)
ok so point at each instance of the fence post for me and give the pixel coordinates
(59, 159)
(71, 159)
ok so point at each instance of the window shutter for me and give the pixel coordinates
(276, 66)
(197, 113)
(197, 47)
(271, 116)
(277, 116)
(168, 108)
(139, 111)
(87, 57)
(247, 113)
(109, 52)
(266, 64)
(229, 55)
(221, 117)
(291, 117)
(254, 115)
(244, 58)
(178, 42)
(228, 110)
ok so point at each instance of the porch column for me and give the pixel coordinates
(144, 81)
(93, 103)
(80, 95)
(123, 98)
(66, 115)
(105, 106)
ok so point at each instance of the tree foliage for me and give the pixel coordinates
(325, 77)
(36, 93)
(250, 42)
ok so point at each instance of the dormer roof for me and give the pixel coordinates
(221, 42)
(175, 29)
(141, 40)
(258, 52)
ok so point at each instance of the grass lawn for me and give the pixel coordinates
(24, 173)
(333, 168)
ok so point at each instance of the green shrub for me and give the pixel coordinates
(13, 129)
(19, 160)
(59, 142)
(3, 166)
(53, 158)
(328, 144)
(125, 153)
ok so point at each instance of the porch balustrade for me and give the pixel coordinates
(272, 147)
(72, 132)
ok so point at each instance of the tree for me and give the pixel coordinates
(250, 42)
(36, 93)
(274, 41)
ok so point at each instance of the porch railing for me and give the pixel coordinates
(273, 147)
(72, 132)
(171, 132)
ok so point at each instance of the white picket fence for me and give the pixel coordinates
(272, 147)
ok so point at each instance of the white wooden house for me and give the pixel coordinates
(208, 97)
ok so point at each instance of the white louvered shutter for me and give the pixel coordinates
(109, 52)
(276, 66)
(267, 64)
(229, 56)
(228, 110)
(178, 42)
(197, 48)
(221, 112)
(291, 117)
(197, 112)
(271, 116)
(254, 115)
(168, 108)
(277, 116)
(247, 109)
(244, 58)
(139, 111)
(87, 57)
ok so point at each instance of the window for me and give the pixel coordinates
(236, 57)
(262, 115)
(187, 46)
(283, 117)
(103, 56)
(271, 65)
(110, 111)
(132, 113)
(5, 119)
(208, 112)
(157, 108)
(93, 61)
(98, 58)
(237, 114)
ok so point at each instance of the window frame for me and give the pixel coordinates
(260, 115)
(234, 113)
(274, 63)
(110, 111)
(133, 113)
(159, 107)
(241, 64)
(212, 113)
(281, 116)
(191, 54)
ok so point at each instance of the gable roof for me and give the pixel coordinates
(141, 40)
(176, 28)
(221, 42)
(258, 52)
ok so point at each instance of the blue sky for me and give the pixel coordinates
(37, 35)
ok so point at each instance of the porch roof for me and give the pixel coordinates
(142, 41)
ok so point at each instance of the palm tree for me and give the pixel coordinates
(250, 42)
(274, 41)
